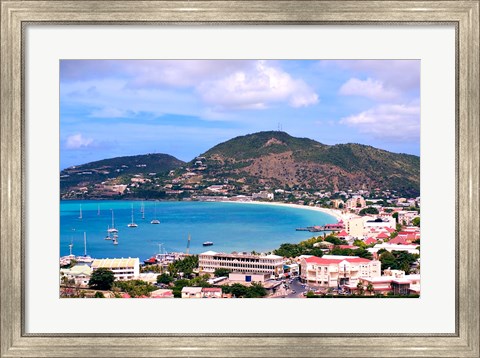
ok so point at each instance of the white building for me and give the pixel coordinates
(123, 269)
(411, 249)
(209, 261)
(191, 292)
(79, 273)
(377, 223)
(333, 271)
(355, 202)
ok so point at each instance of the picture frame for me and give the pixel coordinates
(17, 15)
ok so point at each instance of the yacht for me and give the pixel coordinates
(155, 220)
(132, 224)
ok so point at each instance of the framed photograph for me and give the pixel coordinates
(239, 149)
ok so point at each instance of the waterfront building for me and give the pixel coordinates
(209, 261)
(123, 269)
(335, 270)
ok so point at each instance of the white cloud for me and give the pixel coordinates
(403, 75)
(120, 89)
(388, 121)
(257, 88)
(369, 88)
(110, 112)
(77, 141)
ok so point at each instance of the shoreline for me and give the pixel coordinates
(332, 212)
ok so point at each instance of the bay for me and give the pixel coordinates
(230, 226)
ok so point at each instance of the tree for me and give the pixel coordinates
(164, 278)
(102, 279)
(220, 272)
(99, 294)
(369, 210)
(395, 216)
(360, 288)
(370, 287)
(416, 221)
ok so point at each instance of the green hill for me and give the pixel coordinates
(278, 159)
(119, 167)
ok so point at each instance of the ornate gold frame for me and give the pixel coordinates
(15, 15)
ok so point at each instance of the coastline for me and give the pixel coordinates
(336, 214)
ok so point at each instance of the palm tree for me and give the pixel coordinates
(370, 287)
(360, 288)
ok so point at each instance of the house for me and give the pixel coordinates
(79, 273)
(192, 292)
(211, 292)
(161, 293)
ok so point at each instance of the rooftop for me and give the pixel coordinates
(115, 263)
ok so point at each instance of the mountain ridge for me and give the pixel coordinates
(275, 159)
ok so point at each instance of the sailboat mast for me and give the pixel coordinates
(98, 209)
(85, 243)
(80, 216)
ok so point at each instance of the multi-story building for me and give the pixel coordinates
(354, 226)
(334, 271)
(123, 269)
(209, 261)
(355, 202)
(406, 217)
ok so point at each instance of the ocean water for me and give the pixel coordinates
(230, 226)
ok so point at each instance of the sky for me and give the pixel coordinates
(111, 108)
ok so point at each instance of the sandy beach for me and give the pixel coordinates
(332, 212)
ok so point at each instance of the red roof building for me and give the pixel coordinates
(343, 233)
(336, 270)
(383, 235)
(370, 241)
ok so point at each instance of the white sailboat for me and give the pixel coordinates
(98, 209)
(108, 237)
(155, 220)
(80, 216)
(112, 229)
(142, 209)
(132, 224)
(85, 258)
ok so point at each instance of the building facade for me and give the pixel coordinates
(123, 269)
(209, 261)
(334, 271)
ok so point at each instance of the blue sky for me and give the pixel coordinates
(111, 108)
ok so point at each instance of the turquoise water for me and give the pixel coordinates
(230, 226)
